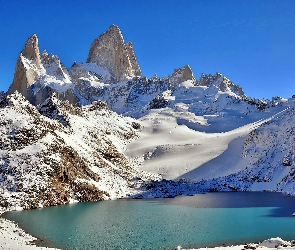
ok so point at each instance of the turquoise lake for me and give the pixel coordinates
(202, 220)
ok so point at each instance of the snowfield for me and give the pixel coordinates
(177, 152)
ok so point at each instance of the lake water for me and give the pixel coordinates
(202, 220)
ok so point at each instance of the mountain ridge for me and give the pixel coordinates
(100, 130)
(109, 61)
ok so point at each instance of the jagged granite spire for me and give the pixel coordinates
(109, 51)
(31, 50)
(132, 59)
(28, 63)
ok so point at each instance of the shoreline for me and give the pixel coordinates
(12, 237)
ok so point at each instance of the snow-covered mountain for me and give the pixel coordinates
(112, 73)
(100, 130)
(56, 153)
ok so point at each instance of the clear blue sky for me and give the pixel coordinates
(250, 42)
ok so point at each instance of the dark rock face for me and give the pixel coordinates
(158, 102)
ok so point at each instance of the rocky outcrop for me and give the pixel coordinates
(37, 76)
(45, 92)
(132, 59)
(31, 50)
(182, 74)
(110, 52)
(27, 67)
(53, 66)
(222, 83)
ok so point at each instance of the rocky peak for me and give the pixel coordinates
(54, 67)
(49, 58)
(222, 83)
(110, 52)
(27, 67)
(31, 50)
(132, 59)
(206, 80)
(182, 74)
(45, 58)
(115, 31)
(51, 108)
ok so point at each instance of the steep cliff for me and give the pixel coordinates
(28, 68)
(110, 52)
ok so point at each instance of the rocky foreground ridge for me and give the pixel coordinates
(56, 153)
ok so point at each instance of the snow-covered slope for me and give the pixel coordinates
(267, 161)
(57, 153)
(258, 156)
